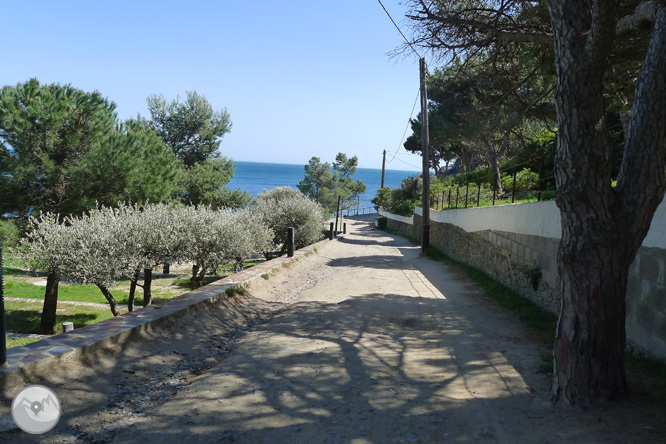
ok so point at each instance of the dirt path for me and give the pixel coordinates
(364, 342)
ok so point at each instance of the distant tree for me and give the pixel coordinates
(318, 179)
(325, 183)
(192, 128)
(45, 132)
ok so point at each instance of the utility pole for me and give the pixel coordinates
(383, 168)
(425, 147)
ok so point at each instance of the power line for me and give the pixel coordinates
(407, 127)
(398, 28)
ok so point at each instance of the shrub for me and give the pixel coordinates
(525, 180)
(284, 207)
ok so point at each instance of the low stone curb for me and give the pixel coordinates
(30, 361)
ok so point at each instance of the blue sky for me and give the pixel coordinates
(299, 78)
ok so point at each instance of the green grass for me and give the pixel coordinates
(18, 342)
(646, 375)
(80, 293)
(541, 321)
(25, 317)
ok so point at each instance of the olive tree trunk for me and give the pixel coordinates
(147, 287)
(47, 326)
(602, 227)
(109, 297)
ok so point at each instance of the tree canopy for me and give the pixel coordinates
(192, 128)
(325, 183)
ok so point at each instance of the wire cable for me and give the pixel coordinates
(409, 121)
(399, 30)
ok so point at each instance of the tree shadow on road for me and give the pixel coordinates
(376, 368)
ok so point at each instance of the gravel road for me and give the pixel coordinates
(362, 342)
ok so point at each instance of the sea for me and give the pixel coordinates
(255, 177)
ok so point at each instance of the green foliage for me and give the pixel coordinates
(46, 131)
(192, 129)
(132, 164)
(285, 207)
(325, 183)
(383, 198)
(525, 180)
(204, 183)
(401, 200)
(9, 234)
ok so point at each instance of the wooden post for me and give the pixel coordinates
(330, 233)
(466, 193)
(478, 196)
(494, 191)
(513, 192)
(290, 242)
(344, 228)
(425, 147)
(457, 194)
(337, 215)
(449, 197)
(383, 168)
(3, 333)
(540, 178)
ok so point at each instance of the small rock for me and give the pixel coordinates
(129, 370)
(410, 437)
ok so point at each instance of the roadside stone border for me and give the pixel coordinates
(27, 362)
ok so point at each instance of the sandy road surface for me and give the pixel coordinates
(363, 342)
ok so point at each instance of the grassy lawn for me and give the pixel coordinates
(25, 316)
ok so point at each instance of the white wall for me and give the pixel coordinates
(534, 218)
(403, 219)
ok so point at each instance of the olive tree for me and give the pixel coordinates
(284, 207)
(47, 246)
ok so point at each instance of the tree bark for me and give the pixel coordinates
(109, 297)
(147, 287)
(193, 279)
(47, 326)
(602, 226)
(132, 291)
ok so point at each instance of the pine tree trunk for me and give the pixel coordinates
(147, 287)
(47, 326)
(602, 226)
(109, 297)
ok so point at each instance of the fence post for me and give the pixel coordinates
(457, 194)
(330, 233)
(3, 330)
(494, 192)
(290, 242)
(466, 193)
(449, 197)
(478, 196)
(513, 192)
(540, 176)
(344, 228)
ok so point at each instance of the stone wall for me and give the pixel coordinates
(515, 243)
